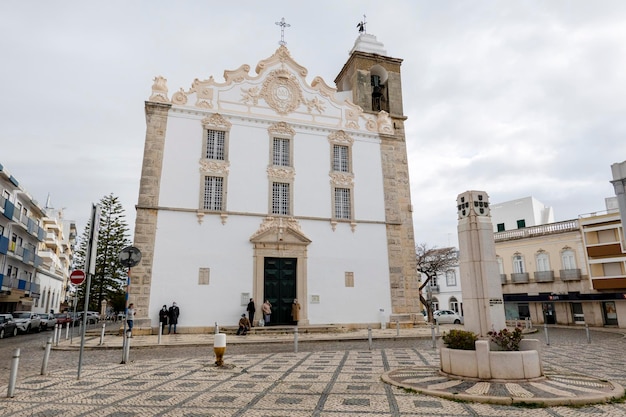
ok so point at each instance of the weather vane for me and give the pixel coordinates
(282, 25)
(361, 25)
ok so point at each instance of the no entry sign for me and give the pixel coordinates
(77, 277)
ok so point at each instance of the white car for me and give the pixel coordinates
(27, 321)
(447, 317)
(48, 321)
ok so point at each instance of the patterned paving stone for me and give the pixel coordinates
(339, 383)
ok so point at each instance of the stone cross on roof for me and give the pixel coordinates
(282, 25)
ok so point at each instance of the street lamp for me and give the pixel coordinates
(129, 257)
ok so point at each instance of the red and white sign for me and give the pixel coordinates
(77, 277)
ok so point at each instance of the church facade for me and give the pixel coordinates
(266, 186)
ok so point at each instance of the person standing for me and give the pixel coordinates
(251, 309)
(295, 311)
(173, 314)
(163, 316)
(130, 318)
(267, 312)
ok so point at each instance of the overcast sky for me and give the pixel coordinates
(516, 98)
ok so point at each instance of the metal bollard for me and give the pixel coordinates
(160, 334)
(432, 333)
(67, 331)
(46, 356)
(126, 348)
(397, 327)
(102, 334)
(437, 321)
(545, 329)
(55, 335)
(588, 334)
(13, 378)
(295, 340)
(217, 328)
(369, 336)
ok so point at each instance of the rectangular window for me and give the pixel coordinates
(280, 198)
(281, 152)
(543, 262)
(568, 259)
(349, 277)
(342, 203)
(340, 158)
(518, 265)
(521, 224)
(213, 193)
(215, 144)
(450, 278)
(500, 227)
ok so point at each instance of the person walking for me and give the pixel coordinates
(173, 314)
(244, 325)
(295, 311)
(251, 309)
(163, 317)
(130, 318)
(267, 312)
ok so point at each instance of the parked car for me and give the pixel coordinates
(8, 327)
(48, 321)
(93, 317)
(446, 316)
(27, 321)
(63, 319)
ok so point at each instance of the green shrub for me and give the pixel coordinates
(460, 339)
(506, 339)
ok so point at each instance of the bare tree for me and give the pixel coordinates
(431, 262)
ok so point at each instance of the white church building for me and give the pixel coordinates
(268, 186)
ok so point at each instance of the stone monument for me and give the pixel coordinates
(483, 306)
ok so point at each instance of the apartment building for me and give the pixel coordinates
(568, 272)
(21, 232)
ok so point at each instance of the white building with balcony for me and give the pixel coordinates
(21, 232)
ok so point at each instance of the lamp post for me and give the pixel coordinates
(129, 257)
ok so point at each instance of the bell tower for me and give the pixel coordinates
(374, 80)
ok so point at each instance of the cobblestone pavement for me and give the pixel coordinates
(330, 378)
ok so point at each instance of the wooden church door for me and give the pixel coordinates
(280, 288)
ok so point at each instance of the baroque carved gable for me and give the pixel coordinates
(216, 120)
(281, 128)
(279, 229)
(282, 92)
(340, 138)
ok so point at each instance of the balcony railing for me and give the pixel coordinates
(570, 274)
(434, 289)
(544, 229)
(544, 276)
(519, 278)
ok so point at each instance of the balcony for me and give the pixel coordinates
(570, 274)
(52, 240)
(604, 250)
(544, 276)
(434, 289)
(534, 231)
(503, 278)
(4, 244)
(520, 278)
(23, 285)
